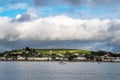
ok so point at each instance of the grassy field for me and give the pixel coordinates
(63, 51)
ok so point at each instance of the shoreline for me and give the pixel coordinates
(59, 61)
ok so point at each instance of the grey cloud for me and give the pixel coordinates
(109, 2)
(56, 2)
(41, 2)
(68, 44)
(64, 2)
(23, 18)
(18, 1)
(15, 1)
(76, 2)
(113, 26)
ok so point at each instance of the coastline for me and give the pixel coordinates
(59, 61)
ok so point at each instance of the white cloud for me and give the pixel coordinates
(7, 29)
(32, 11)
(62, 28)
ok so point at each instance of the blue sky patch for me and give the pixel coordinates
(12, 13)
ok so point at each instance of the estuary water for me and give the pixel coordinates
(57, 71)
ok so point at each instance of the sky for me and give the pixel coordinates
(74, 24)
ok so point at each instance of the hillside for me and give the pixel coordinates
(63, 51)
(59, 54)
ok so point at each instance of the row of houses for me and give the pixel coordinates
(58, 57)
(21, 57)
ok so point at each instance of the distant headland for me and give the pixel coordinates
(30, 54)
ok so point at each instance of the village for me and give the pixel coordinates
(50, 55)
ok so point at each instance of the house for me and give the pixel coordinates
(79, 58)
(59, 57)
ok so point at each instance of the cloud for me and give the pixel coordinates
(7, 29)
(40, 2)
(1, 10)
(22, 18)
(16, 1)
(27, 29)
(104, 2)
(17, 6)
(28, 16)
(48, 3)
(75, 2)
(14, 4)
(77, 33)
(63, 28)
(84, 9)
(43, 3)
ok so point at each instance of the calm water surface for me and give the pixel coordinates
(56, 71)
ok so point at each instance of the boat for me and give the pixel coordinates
(62, 62)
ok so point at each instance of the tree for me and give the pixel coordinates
(53, 56)
(69, 55)
(27, 49)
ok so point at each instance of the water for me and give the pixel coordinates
(56, 71)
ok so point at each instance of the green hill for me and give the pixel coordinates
(63, 51)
